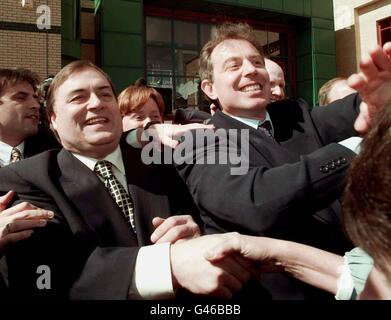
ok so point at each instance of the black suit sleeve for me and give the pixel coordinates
(255, 200)
(79, 269)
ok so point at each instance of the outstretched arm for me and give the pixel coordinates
(316, 267)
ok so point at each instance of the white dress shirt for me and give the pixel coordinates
(255, 123)
(152, 274)
(5, 153)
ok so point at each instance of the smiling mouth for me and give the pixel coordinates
(97, 120)
(252, 88)
(33, 117)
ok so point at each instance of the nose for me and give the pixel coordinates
(248, 67)
(95, 102)
(277, 91)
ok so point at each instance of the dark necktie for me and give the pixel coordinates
(266, 127)
(104, 169)
(15, 155)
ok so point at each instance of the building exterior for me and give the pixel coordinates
(30, 35)
(160, 39)
(359, 25)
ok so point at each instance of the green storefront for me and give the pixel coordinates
(160, 39)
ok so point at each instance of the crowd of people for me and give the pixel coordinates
(309, 219)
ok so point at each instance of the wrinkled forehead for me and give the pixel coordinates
(83, 79)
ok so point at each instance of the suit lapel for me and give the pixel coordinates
(259, 141)
(88, 194)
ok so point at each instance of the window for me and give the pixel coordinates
(384, 30)
(172, 47)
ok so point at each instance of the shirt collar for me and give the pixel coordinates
(5, 152)
(115, 158)
(254, 123)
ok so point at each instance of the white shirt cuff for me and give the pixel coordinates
(345, 285)
(352, 143)
(152, 274)
(131, 139)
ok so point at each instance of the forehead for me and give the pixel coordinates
(232, 48)
(273, 68)
(21, 86)
(83, 79)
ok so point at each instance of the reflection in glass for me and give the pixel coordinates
(185, 33)
(187, 91)
(186, 62)
(158, 31)
(207, 31)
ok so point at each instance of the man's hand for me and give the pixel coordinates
(174, 228)
(16, 223)
(192, 271)
(167, 134)
(373, 84)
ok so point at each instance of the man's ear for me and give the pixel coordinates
(53, 122)
(208, 88)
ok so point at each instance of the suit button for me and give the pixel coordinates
(331, 165)
(343, 160)
(324, 169)
(338, 163)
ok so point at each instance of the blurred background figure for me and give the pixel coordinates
(334, 89)
(277, 80)
(140, 104)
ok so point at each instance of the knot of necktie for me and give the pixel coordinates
(15, 155)
(104, 169)
(266, 127)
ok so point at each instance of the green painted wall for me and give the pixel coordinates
(122, 39)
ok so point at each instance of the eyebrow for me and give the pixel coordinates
(83, 90)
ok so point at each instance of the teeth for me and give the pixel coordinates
(253, 87)
(96, 120)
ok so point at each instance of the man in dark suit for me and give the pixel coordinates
(104, 198)
(293, 160)
(20, 133)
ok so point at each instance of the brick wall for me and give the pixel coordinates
(22, 44)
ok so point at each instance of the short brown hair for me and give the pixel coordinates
(226, 31)
(64, 74)
(133, 97)
(323, 94)
(14, 76)
(367, 196)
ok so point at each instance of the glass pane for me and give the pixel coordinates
(186, 62)
(185, 33)
(159, 61)
(274, 44)
(261, 37)
(158, 31)
(207, 31)
(187, 92)
(159, 81)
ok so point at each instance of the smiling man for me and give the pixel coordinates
(19, 113)
(297, 159)
(114, 216)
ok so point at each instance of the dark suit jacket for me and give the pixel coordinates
(289, 179)
(89, 247)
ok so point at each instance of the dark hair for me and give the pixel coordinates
(367, 197)
(14, 76)
(228, 30)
